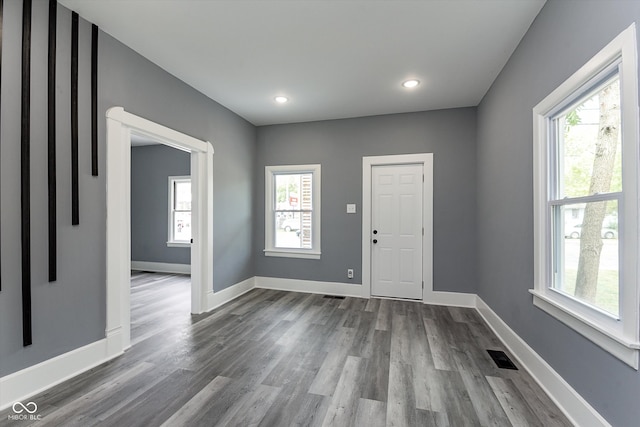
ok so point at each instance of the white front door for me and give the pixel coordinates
(396, 231)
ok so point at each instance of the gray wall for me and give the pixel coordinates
(339, 145)
(151, 167)
(562, 38)
(70, 313)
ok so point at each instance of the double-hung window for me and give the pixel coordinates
(179, 211)
(292, 211)
(586, 200)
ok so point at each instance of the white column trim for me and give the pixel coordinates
(120, 124)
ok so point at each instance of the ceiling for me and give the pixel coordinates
(331, 58)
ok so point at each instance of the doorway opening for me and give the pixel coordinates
(397, 226)
(120, 127)
(160, 238)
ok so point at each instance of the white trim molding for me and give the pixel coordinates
(161, 267)
(216, 299)
(578, 410)
(426, 159)
(285, 253)
(120, 125)
(453, 299)
(178, 245)
(37, 378)
(311, 286)
(270, 249)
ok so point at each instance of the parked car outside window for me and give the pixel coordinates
(575, 232)
(291, 224)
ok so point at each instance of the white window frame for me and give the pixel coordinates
(618, 336)
(172, 242)
(269, 214)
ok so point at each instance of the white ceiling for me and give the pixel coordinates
(332, 58)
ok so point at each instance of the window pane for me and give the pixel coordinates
(288, 230)
(182, 197)
(586, 253)
(293, 191)
(293, 230)
(182, 226)
(589, 144)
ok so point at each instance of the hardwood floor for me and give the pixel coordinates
(158, 302)
(272, 358)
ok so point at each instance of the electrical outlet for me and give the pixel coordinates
(350, 273)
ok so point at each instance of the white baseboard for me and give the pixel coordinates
(455, 299)
(310, 286)
(215, 300)
(161, 267)
(21, 385)
(578, 410)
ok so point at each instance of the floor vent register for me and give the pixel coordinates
(501, 359)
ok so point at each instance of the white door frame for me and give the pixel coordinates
(120, 124)
(368, 162)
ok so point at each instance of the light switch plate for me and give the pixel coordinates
(351, 208)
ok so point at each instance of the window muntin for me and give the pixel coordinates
(292, 211)
(562, 199)
(179, 209)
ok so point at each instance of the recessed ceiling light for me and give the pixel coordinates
(281, 99)
(411, 83)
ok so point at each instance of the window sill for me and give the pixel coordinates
(179, 244)
(619, 346)
(292, 253)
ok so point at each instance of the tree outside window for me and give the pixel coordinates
(589, 170)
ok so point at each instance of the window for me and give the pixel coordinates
(179, 211)
(292, 211)
(586, 200)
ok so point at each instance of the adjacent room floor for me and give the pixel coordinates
(275, 358)
(158, 302)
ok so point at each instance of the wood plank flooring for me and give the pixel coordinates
(272, 358)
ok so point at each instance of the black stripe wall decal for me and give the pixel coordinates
(1, 19)
(25, 174)
(75, 199)
(94, 100)
(51, 141)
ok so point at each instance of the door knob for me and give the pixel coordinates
(375, 240)
(375, 231)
